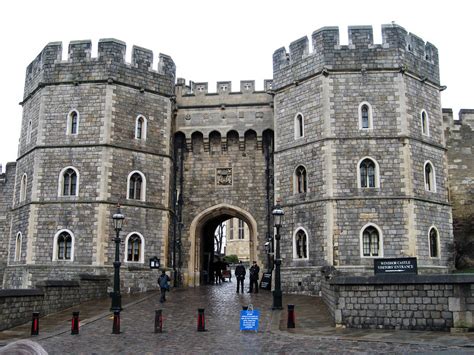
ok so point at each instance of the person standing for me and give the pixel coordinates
(240, 276)
(164, 285)
(254, 270)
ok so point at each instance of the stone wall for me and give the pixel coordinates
(17, 306)
(327, 88)
(460, 141)
(428, 302)
(7, 183)
(224, 134)
(108, 96)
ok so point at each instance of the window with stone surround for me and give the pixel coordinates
(28, 132)
(72, 122)
(23, 186)
(368, 172)
(18, 242)
(140, 128)
(300, 244)
(371, 242)
(301, 184)
(366, 121)
(231, 228)
(63, 247)
(136, 186)
(299, 125)
(434, 242)
(425, 123)
(430, 176)
(241, 229)
(68, 184)
(134, 248)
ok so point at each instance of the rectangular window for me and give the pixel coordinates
(68, 250)
(241, 229)
(366, 244)
(61, 250)
(375, 246)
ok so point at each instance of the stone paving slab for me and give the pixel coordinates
(313, 333)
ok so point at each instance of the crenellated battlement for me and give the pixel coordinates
(398, 50)
(7, 174)
(109, 65)
(222, 88)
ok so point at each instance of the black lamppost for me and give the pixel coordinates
(277, 295)
(118, 218)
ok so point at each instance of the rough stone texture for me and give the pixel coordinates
(17, 306)
(222, 131)
(401, 302)
(108, 95)
(209, 156)
(7, 183)
(460, 140)
(327, 87)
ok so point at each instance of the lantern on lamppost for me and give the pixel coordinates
(116, 307)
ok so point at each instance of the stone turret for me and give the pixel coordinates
(399, 50)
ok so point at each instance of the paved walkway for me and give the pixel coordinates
(313, 333)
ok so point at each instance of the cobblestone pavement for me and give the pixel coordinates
(314, 333)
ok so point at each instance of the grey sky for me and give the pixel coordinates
(220, 40)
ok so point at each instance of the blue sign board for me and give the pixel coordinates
(249, 320)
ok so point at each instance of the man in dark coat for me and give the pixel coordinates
(164, 286)
(254, 270)
(240, 275)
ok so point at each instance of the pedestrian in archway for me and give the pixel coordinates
(164, 285)
(254, 270)
(240, 276)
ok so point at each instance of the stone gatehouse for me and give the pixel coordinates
(348, 137)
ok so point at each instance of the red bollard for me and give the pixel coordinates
(35, 323)
(201, 321)
(116, 326)
(158, 321)
(75, 323)
(291, 316)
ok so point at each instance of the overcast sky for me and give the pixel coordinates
(220, 40)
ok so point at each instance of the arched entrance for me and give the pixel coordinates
(205, 224)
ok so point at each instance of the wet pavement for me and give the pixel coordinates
(314, 332)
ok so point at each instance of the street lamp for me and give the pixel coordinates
(278, 214)
(118, 218)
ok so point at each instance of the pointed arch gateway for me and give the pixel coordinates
(215, 214)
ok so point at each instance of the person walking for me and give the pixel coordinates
(240, 276)
(164, 285)
(254, 270)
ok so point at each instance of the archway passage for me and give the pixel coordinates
(225, 240)
(202, 236)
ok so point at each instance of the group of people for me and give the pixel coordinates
(217, 272)
(240, 273)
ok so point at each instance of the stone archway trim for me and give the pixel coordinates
(193, 272)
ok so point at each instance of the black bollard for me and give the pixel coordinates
(201, 320)
(291, 316)
(35, 323)
(158, 321)
(75, 323)
(116, 325)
